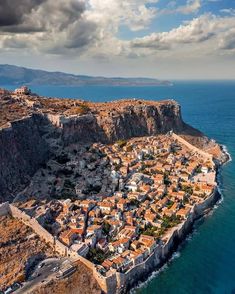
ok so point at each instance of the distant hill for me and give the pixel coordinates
(15, 75)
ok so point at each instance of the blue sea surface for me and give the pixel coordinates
(207, 261)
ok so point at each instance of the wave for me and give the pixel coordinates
(225, 150)
(155, 273)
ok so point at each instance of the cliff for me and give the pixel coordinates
(127, 119)
(22, 150)
(27, 142)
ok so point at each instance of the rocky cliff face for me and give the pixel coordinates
(127, 122)
(23, 147)
(22, 150)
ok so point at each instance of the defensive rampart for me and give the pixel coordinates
(119, 282)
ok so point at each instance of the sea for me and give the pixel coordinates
(205, 262)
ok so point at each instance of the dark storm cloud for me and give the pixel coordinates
(50, 26)
(230, 45)
(12, 13)
(81, 35)
(38, 15)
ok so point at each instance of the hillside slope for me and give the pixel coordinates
(15, 75)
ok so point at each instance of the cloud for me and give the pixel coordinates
(47, 25)
(210, 31)
(12, 16)
(229, 11)
(227, 42)
(73, 26)
(132, 13)
(190, 7)
(90, 28)
(195, 31)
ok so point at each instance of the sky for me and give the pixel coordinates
(164, 39)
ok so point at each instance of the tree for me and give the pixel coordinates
(150, 231)
(96, 255)
(106, 228)
(121, 143)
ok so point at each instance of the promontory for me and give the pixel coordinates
(96, 196)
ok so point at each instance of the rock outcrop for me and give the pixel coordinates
(22, 150)
(127, 121)
(27, 142)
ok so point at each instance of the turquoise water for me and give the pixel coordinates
(207, 261)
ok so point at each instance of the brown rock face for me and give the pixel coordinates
(123, 122)
(23, 147)
(22, 150)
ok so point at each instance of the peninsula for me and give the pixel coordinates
(16, 75)
(108, 190)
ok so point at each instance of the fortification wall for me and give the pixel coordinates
(118, 282)
(58, 246)
(193, 148)
(107, 284)
(127, 280)
(200, 208)
(43, 233)
(166, 249)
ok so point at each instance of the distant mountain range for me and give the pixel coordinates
(15, 75)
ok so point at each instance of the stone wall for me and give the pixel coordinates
(140, 271)
(199, 209)
(43, 233)
(119, 282)
(204, 154)
(161, 254)
(58, 246)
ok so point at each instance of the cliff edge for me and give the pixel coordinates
(34, 128)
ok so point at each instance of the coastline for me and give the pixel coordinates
(119, 282)
(216, 197)
(129, 281)
(227, 154)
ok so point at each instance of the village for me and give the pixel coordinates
(115, 204)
